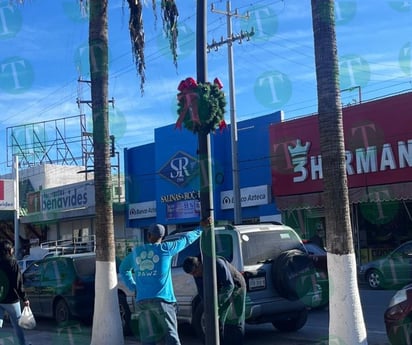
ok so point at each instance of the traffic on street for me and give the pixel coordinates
(314, 332)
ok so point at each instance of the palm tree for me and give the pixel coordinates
(346, 318)
(106, 320)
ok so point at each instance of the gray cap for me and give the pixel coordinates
(157, 230)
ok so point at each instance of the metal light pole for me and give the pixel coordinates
(206, 196)
(16, 205)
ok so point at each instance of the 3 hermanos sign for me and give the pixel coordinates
(7, 195)
(378, 148)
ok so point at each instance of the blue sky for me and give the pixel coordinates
(43, 53)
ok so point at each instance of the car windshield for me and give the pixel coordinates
(85, 266)
(24, 263)
(266, 245)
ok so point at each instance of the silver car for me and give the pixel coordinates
(280, 276)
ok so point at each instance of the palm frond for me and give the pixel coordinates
(137, 38)
(169, 18)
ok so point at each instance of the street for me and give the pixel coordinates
(314, 332)
(316, 329)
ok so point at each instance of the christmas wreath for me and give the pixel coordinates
(201, 106)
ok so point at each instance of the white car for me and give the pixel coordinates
(280, 276)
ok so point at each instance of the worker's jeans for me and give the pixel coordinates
(232, 318)
(157, 322)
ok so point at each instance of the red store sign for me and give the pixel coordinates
(378, 143)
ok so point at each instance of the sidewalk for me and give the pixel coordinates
(75, 335)
(79, 336)
(44, 337)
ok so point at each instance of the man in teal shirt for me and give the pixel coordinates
(147, 271)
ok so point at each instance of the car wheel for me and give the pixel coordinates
(293, 323)
(125, 315)
(62, 312)
(374, 279)
(198, 322)
(294, 274)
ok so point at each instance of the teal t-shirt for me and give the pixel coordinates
(151, 264)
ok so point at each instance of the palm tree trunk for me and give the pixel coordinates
(346, 318)
(106, 320)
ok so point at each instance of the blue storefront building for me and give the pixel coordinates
(163, 177)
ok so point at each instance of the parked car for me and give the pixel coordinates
(36, 253)
(26, 262)
(276, 267)
(398, 317)
(391, 271)
(319, 259)
(62, 287)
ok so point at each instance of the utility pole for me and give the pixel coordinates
(79, 101)
(87, 137)
(237, 208)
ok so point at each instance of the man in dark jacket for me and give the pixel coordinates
(231, 289)
(11, 289)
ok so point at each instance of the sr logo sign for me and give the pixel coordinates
(180, 169)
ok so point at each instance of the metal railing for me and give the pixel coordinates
(83, 244)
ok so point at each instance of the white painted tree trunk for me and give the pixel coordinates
(107, 325)
(346, 323)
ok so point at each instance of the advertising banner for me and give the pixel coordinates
(183, 209)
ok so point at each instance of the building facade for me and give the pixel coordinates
(55, 203)
(162, 178)
(378, 143)
(279, 173)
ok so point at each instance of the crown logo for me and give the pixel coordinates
(299, 151)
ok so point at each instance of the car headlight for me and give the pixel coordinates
(398, 298)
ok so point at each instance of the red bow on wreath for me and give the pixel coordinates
(188, 92)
